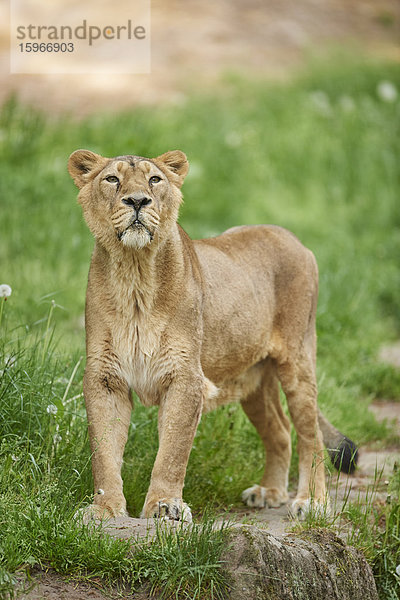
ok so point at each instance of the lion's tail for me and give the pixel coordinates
(342, 451)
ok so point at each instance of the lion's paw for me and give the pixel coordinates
(259, 497)
(96, 512)
(254, 496)
(302, 508)
(168, 508)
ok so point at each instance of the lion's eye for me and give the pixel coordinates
(112, 179)
(154, 179)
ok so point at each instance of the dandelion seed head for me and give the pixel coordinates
(233, 139)
(52, 409)
(321, 103)
(5, 290)
(196, 170)
(10, 361)
(347, 104)
(387, 91)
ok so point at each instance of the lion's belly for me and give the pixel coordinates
(147, 370)
(236, 389)
(238, 313)
(233, 343)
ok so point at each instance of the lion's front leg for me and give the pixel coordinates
(108, 407)
(179, 415)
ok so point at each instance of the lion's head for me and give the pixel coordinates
(129, 200)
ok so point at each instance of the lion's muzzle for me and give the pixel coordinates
(136, 200)
(136, 233)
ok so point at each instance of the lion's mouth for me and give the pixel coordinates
(135, 225)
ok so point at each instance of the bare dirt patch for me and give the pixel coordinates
(194, 42)
(391, 354)
(52, 586)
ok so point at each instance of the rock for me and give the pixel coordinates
(312, 565)
(125, 528)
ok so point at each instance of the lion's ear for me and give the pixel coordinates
(176, 162)
(83, 164)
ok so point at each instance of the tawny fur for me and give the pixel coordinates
(190, 325)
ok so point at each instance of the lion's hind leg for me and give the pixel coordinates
(264, 409)
(298, 382)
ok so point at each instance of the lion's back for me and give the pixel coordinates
(269, 251)
(253, 278)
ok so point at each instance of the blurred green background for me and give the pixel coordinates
(318, 156)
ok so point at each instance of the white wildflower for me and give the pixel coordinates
(52, 409)
(321, 102)
(387, 91)
(14, 458)
(196, 170)
(347, 103)
(57, 438)
(233, 139)
(5, 290)
(11, 360)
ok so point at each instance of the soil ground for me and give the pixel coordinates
(194, 42)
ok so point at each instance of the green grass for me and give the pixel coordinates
(37, 533)
(381, 543)
(370, 523)
(318, 156)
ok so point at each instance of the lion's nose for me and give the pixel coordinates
(136, 201)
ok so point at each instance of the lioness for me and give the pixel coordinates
(191, 325)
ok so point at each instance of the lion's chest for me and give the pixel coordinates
(143, 362)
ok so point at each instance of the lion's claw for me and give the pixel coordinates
(173, 509)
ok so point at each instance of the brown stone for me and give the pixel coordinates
(313, 565)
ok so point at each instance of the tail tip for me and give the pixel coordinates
(345, 456)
